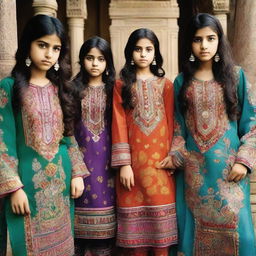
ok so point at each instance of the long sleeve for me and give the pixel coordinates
(120, 146)
(247, 123)
(79, 168)
(169, 106)
(9, 178)
(178, 148)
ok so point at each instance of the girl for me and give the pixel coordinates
(215, 143)
(142, 133)
(36, 109)
(94, 210)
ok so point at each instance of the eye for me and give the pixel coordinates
(57, 48)
(101, 59)
(137, 49)
(89, 58)
(212, 38)
(149, 49)
(42, 45)
(197, 39)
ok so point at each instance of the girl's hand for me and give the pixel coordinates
(77, 187)
(127, 177)
(237, 173)
(166, 163)
(19, 202)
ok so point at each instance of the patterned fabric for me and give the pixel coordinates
(212, 212)
(42, 120)
(146, 214)
(34, 137)
(94, 210)
(94, 106)
(141, 226)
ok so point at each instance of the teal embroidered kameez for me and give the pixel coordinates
(214, 215)
(36, 157)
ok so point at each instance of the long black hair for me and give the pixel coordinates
(37, 27)
(81, 80)
(128, 72)
(223, 71)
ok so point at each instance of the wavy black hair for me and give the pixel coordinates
(128, 72)
(37, 27)
(81, 80)
(223, 71)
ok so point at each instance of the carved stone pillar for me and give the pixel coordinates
(220, 10)
(159, 16)
(244, 50)
(76, 14)
(8, 36)
(47, 7)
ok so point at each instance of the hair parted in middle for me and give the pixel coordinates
(39, 26)
(81, 80)
(223, 70)
(128, 72)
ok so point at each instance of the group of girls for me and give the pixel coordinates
(168, 163)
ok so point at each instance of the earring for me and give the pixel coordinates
(192, 57)
(132, 62)
(28, 62)
(56, 66)
(217, 57)
(107, 73)
(154, 62)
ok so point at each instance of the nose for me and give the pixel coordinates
(95, 62)
(143, 53)
(49, 53)
(204, 44)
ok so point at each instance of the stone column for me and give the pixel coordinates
(220, 10)
(47, 7)
(76, 14)
(159, 16)
(244, 49)
(8, 36)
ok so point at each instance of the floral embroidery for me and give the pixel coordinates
(251, 93)
(78, 166)
(148, 99)
(3, 98)
(93, 110)
(216, 212)
(42, 120)
(9, 179)
(206, 116)
(53, 211)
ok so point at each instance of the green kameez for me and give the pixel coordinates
(35, 156)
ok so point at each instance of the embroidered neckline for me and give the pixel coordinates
(149, 79)
(203, 81)
(96, 86)
(39, 86)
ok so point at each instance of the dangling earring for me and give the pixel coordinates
(154, 61)
(107, 73)
(192, 57)
(56, 66)
(132, 62)
(28, 62)
(217, 57)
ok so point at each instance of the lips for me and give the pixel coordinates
(46, 62)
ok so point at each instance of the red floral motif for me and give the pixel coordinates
(3, 98)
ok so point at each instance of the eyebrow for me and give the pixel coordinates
(90, 55)
(42, 41)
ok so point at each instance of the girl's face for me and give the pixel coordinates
(95, 63)
(205, 44)
(44, 52)
(143, 53)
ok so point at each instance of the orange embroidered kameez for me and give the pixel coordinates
(141, 138)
